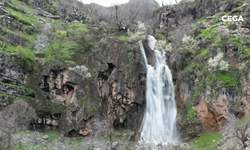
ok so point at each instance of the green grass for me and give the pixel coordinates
(190, 113)
(28, 90)
(31, 37)
(219, 79)
(209, 35)
(52, 135)
(207, 32)
(246, 53)
(123, 37)
(30, 19)
(24, 53)
(195, 93)
(193, 65)
(203, 54)
(17, 97)
(234, 39)
(207, 140)
(60, 50)
(22, 6)
(217, 41)
(228, 79)
(77, 27)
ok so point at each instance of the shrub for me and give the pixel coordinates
(159, 36)
(218, 63)
(24, 54)
(163, 46)
(81, 70)
(188, 44)
(89, 45)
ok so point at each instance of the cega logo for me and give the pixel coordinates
(232, 18)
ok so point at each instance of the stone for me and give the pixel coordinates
(54, 123)
(45, 137)
(232, 25)
(115, 145)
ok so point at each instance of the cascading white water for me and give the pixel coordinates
(159, 122)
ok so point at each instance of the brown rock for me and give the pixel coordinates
(213, 115)
(87, 130)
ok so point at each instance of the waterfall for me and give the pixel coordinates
(159, 122)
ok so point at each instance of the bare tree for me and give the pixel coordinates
(241, 131)
(13, 118)
(102, 128)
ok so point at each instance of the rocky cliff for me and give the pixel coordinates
(211, 77)
(78, 72)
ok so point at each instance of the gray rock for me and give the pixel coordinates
(45, 137)
(232, 25)
(115, 145)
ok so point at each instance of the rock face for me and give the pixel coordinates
(57, 83)
(120, 84)
(13, 74)
(11, 71)
(213, 116)
(67, 99)
(171, 17)
(64, 95)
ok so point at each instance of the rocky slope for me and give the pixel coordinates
(211, 77)
(69, 72)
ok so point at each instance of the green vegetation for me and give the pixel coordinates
(246, 50)
(17, 97)
(195, 65)
(204, 54)
(228, 79)
(217, 41)
(77, 27)
(123, 37)
(88, 109)
(207, 33)
(217, 18)
(247, 53)
(52, 135)
(27, 90)
(195, 93)
(159, 36)
(53, 107)
(190, 114)
(89, 45)
(207, 140)
(21, 6)
(61, 48)
(235, 39)
(28, 19)
(24, 53)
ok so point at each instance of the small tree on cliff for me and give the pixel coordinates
(13, 118)
(241, 131)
